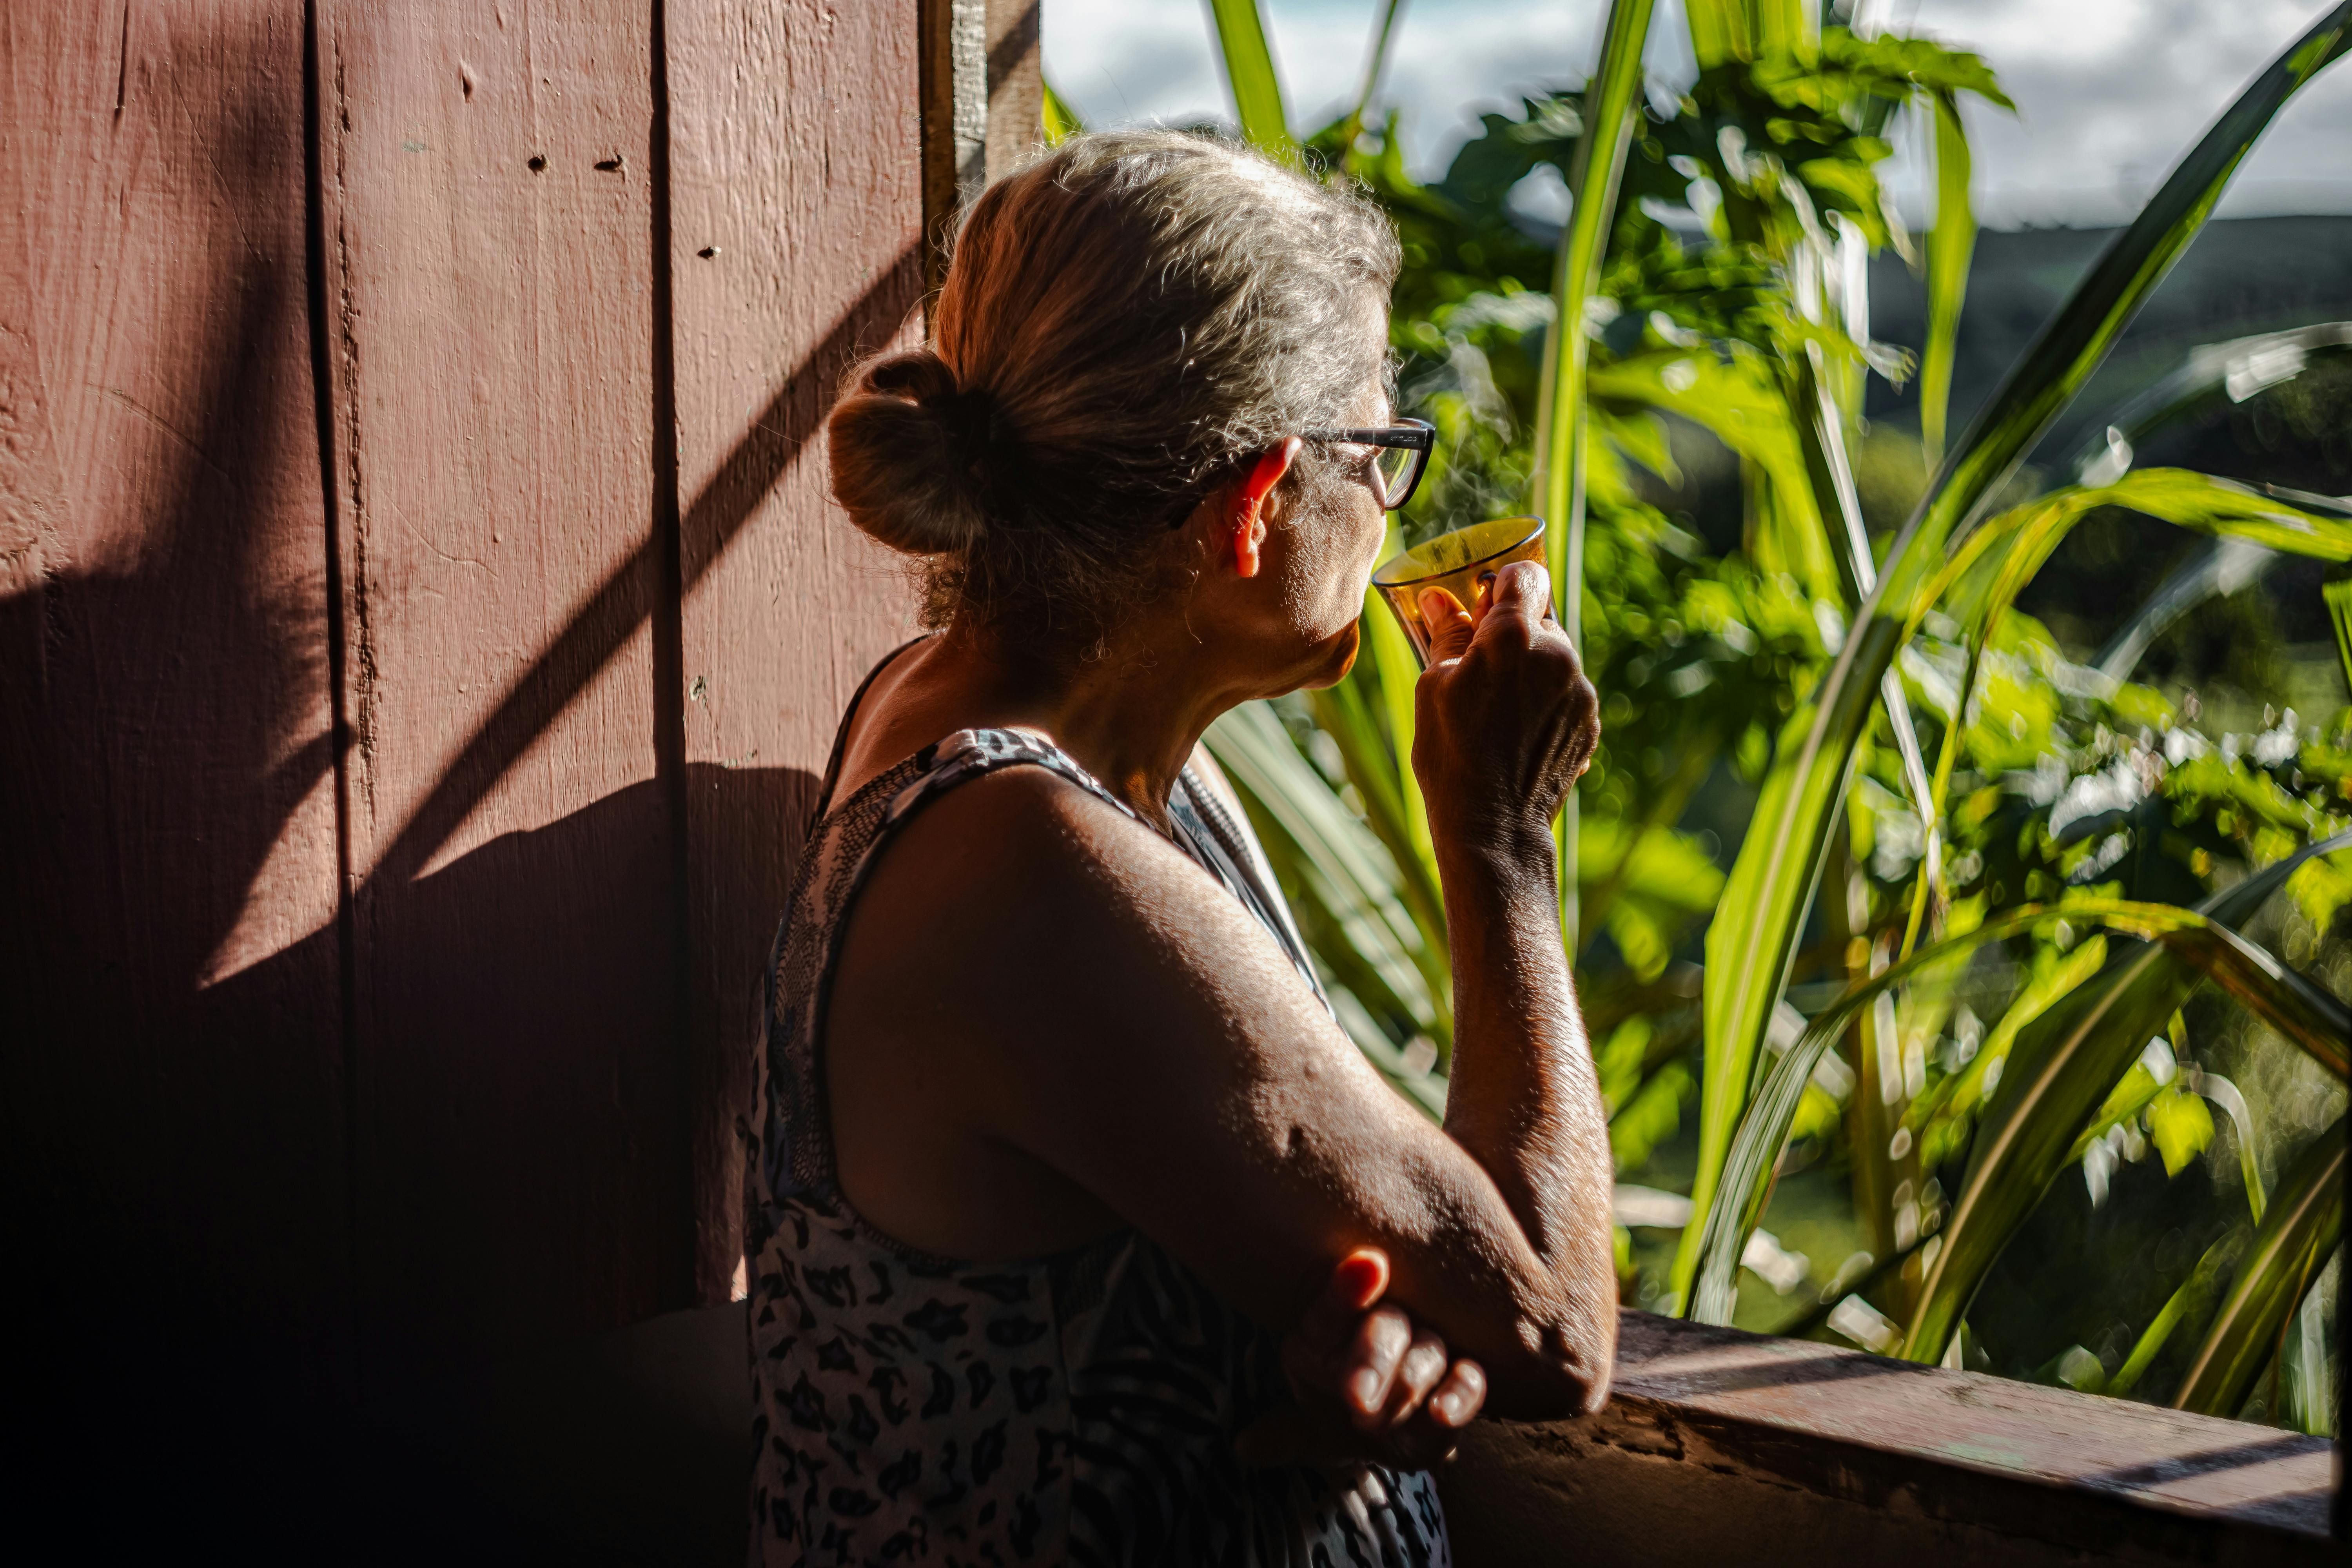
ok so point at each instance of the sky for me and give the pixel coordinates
(2109, 93)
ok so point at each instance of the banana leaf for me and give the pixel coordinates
(1753, 939)
(2302, 1226)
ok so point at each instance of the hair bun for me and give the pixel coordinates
(910, 452)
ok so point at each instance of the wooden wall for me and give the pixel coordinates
(422, 619)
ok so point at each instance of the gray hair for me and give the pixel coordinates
(1126, 321)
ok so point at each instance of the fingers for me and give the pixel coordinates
(1318, 1433)
(1377, 1352)
(1418, 1375)
(1449, 624)
(1458, 1398)
(1521, 594)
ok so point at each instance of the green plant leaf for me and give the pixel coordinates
(1950, 244)
(1753, 940)
(2304, 1219)
(1559, 475)
(2191, 1301)
(1346, 881)
(1057, 118)
(1250, 77)
(2338, 596)
(2220, 507)
(1740, 403)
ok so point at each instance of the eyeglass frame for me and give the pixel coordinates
(1409, 435)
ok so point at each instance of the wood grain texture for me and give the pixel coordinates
(167, 855)
(1016, 83)
(1719, 1445)
(487, 213)
(797, 203)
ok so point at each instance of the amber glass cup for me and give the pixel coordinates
(1461, 563)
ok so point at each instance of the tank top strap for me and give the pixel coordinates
(824, 802)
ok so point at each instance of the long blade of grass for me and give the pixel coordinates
(1753, 939)
(2304, 1222)
(1560, 457)
(1250, 77)
(2231, 513)
(1950, 245)
(2211, 373)
(2219, 570)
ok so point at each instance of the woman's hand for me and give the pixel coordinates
(1370, 1385)
(1505, 721)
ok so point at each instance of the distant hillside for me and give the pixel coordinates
(2242, 276)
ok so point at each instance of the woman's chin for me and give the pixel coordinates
(1334, 657)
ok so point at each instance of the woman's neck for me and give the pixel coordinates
(1130, 717)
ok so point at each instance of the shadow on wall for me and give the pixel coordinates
(199, 1175)
(181, 1196)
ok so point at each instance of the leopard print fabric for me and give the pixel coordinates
(1078, 1408)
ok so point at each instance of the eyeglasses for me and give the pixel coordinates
(1402, 454)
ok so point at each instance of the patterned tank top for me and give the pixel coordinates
(1076, 1408)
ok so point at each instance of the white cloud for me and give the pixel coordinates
(2109, 93)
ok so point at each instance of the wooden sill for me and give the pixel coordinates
(1724, 1447)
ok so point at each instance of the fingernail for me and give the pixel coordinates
(1367, 1389)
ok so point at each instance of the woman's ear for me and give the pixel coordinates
(1246, 516)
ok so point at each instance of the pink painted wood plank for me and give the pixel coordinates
(488, 214)
(167, 948)
(797, 212)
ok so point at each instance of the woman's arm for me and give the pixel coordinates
(1505, 723)
(1117, 1017)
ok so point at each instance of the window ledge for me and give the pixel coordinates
(1719, 1446)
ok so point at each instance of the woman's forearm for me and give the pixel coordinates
(1524, 1099)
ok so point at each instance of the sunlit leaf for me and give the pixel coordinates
(1561, 425)
(1057, 119)
(1250, 77)
(1950, 243)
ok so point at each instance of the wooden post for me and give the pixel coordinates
(982, 92)
(795, 244)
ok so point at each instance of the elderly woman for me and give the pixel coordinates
(1080, 1232)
